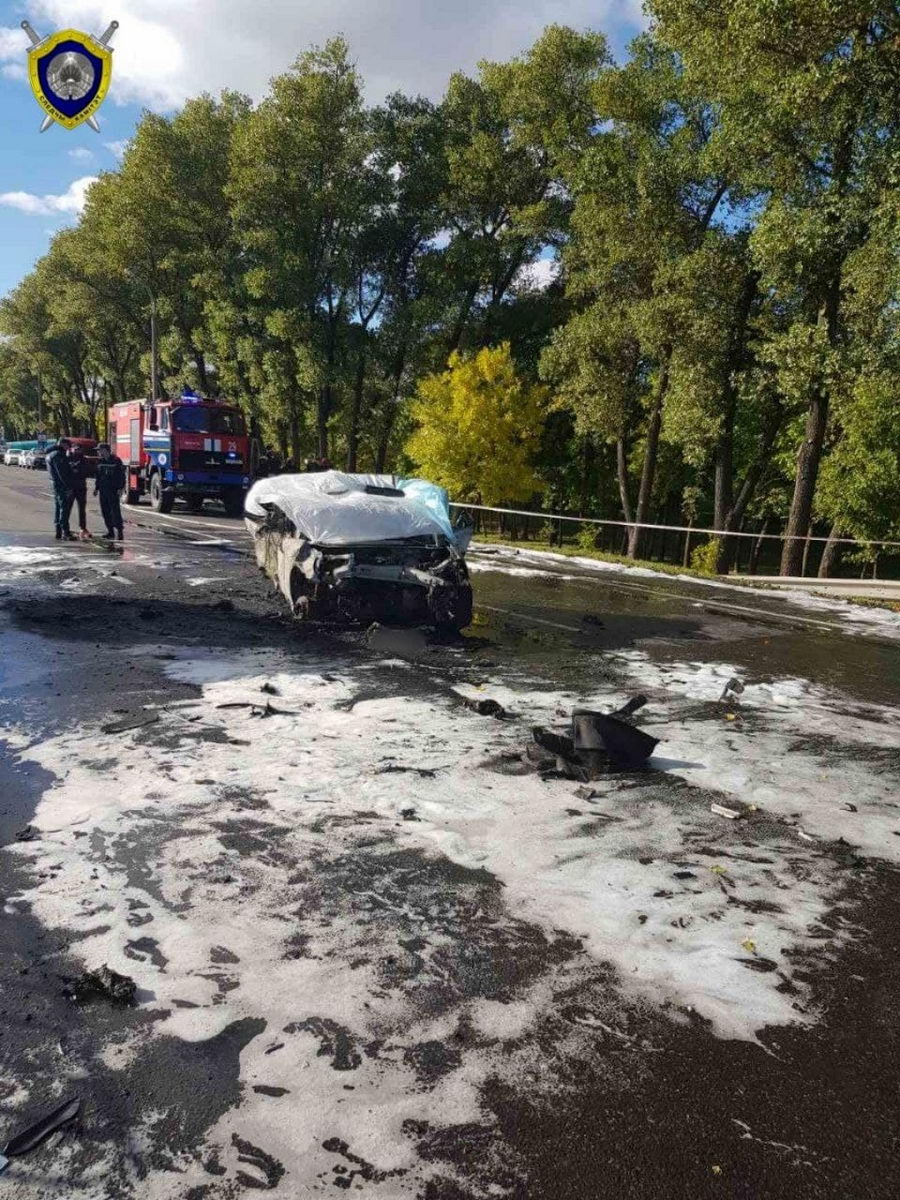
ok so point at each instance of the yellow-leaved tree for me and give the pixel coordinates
(479, 428)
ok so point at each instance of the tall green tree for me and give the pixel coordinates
(809, 91)
(300, 189)
(646, 194)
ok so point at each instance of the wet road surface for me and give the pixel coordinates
(375, 951)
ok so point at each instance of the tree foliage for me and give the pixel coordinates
(668, 286)
(479, 428)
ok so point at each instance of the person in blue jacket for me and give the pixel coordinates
(63, 482)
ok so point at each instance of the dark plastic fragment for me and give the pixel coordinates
(30, 1138)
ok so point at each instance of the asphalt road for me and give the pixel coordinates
(375, 951)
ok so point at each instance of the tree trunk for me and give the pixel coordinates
(463, 315)
(381, 451)
(323, 410)
(806, 546)
(387, 428)
(587, 464)
(295, 435)
(356, 404)
(817, 418)
(723, 494)
(686, 560)
(831, 554)
(805, 485)
(622, 474)
(757, 548)
(724, 463)
(255, 443)
(728, 545)
(202, 373)
(648, 474)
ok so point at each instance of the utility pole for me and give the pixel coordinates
(154, 348)
(154, 353)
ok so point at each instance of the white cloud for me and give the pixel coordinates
(71, 201)
(13, 42)
(82, 154)
(166, 50)
(14, 70)
(117, 149)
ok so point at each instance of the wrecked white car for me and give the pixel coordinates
(362, 548)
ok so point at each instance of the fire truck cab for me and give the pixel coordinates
(188, 446)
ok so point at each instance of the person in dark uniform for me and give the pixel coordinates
(108, 485)
(60, 473)
(79, 468)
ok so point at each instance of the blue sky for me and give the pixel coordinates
(167, 50)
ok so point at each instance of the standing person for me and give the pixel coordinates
(79, 468)
(61, 478)
(108, 485)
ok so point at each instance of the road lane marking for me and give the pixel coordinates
(186, 521)
(534, 620)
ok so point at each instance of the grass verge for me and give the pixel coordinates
(670, 569)
(618, 560)
(872, 602)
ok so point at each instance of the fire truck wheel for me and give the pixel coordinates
(234, 504)
(161, 499)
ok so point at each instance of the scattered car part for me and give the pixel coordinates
(359, 548)
(734, 687)
(120, 989)
(29, 1139)
(596, 743)
(600, 735)
(133, 722)
(484, 706)
(722, 811)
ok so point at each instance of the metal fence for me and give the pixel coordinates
(753, 551)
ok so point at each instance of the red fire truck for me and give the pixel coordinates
(189, 446)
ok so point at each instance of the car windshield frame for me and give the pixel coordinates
(213, 422)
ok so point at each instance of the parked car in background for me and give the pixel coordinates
(12, 456)
(35, 460)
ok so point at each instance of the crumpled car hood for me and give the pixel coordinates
(333, 508)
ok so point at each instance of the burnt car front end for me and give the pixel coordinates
(414, 575)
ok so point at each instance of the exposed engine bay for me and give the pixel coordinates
(361, 548)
